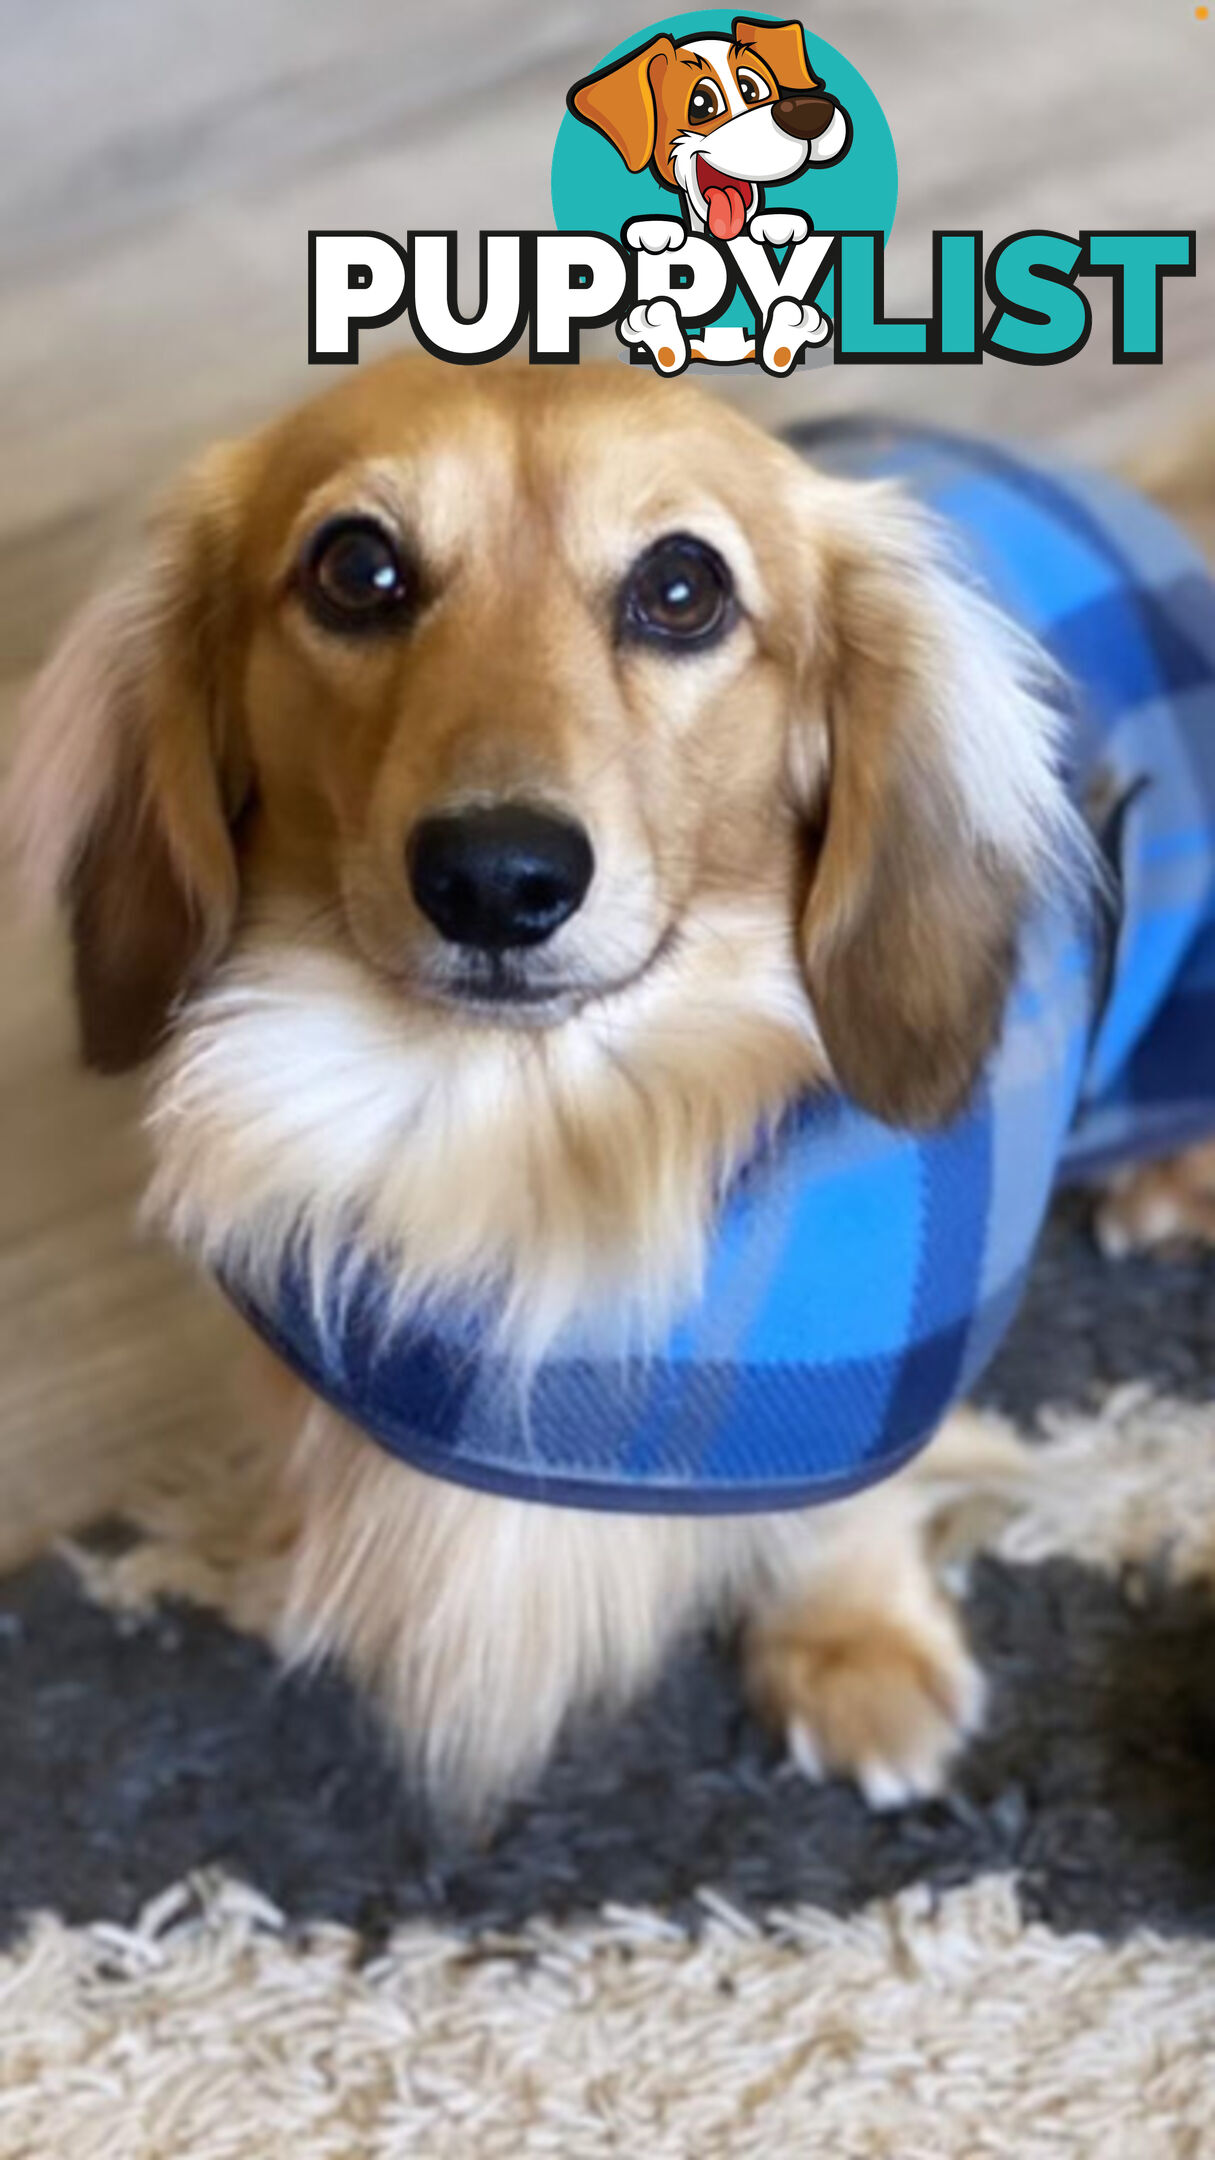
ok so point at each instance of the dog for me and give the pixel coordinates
(493, 800)
(717, 120)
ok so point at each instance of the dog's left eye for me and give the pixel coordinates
(751, 87)
(678, 593)
(705, 102)
(353, 577)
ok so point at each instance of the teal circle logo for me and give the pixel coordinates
(637, 141)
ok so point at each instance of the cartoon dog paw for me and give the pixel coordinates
(655, 325)
(779, 228)
(792, 325)
(655, 234)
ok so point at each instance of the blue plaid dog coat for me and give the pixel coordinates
(861, 1278)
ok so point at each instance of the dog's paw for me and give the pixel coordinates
(656, 235)
(779, 228)
(1159, 1205)
(788, 331)
(792, 325)
(869, 1698)
(655, 325)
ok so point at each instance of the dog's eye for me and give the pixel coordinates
(352, 577)
(706, 101)
(751, 86)
(678, 593)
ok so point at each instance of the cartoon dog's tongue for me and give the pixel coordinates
(726, 199)
(726, 212)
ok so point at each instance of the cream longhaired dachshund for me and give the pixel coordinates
(492, 798)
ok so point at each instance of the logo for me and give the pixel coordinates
(723, 190)
(716, 146)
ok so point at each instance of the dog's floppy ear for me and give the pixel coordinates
(929, 755)
(130, 773)
(622, 101)
(782, 48)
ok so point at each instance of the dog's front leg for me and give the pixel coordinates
(854, 1652)
(478, 1624)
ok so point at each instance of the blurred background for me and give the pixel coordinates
(160, 166)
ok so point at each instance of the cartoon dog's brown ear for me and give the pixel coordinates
(782, 48)
(622, 101)
(131, 771)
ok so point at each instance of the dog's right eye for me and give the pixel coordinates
(678, 594)
(706, 101)
(352, 577)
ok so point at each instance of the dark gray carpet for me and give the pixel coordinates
(132, 1754)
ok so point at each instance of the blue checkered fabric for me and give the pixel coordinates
(860, 1278)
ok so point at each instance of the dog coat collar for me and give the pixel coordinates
(860, 1279)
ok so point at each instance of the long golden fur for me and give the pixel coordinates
(813, 844)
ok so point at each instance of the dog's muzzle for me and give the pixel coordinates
(815, 120)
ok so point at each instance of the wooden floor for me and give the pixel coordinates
(160, 166)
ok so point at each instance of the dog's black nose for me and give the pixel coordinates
(804, 115)
(501, 876)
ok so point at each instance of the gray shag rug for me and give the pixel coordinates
(230, 1934)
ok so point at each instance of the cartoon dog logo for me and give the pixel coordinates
(717, 120)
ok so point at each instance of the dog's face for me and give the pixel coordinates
(717, 117)
(503, 666)
(530, 688)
